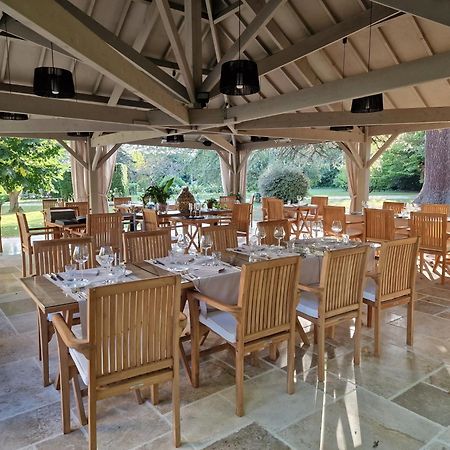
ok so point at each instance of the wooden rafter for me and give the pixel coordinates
(391, 139)
(73, 153)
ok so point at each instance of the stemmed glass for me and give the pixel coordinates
(106, 257)
(260, 233)
(336, 227)
(182, 242)
(191, 209)
(279, 234)
(205, 243)
(317, 228)
(81, 256)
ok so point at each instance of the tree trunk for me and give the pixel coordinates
(436, 184)
(14, 201)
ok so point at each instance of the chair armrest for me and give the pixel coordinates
(78, 233)
(313, 289)
(374, 275)
(67, 336)
(235, 310)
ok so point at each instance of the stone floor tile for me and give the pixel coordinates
(25, 323)
(360, 420)
(267, 402)
(6, 329)
(16, 348)
(251, 437)
(445, 436)
(21, 388)
(441, 379)
(436, 445)
(14, 296)
(31, 427)
(429, 307)
(426, 325)
(164, 442)
(18, 307)
(394, 370)
(434, 291)
(75, 440)
(214, 376)
(208, 420)
(427, 401)
(445, 314)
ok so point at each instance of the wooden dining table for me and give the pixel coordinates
(303, 214)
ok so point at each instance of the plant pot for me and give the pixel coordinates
(161, 207)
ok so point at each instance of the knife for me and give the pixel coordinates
(158, 262)
(59, 277)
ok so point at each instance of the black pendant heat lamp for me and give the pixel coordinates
(7, 115)
(53, 81)
(370, 103)
(175, 139)
(79, 134)
(239, 77)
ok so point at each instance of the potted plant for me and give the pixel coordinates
(212, 203)
(159, 193)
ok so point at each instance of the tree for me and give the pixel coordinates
(400, 167)
(119, 182)
(30, 165)
(63, 188)
(286, 183)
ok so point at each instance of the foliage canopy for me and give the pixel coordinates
(283, 182)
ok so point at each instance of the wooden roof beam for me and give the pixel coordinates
(435, 10)
(77, 33)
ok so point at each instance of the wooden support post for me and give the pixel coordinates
(363, 180)
(93, 191)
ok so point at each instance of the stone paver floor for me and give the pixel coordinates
(398, 401)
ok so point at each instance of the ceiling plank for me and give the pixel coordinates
(260, 20)
(55, 19)
(177, 47)
(322, 39)
(342, 118)
(406, 74)
(406, 128)
(125, 137)
(226, 12)
(435, 10)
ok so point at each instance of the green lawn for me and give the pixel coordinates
(337, 197)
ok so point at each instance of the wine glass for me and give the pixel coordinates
(317, 228)
(299, 200)
(81, 255)
(260, 233)
(106, 257)
(182, 242)
(191, 209)
(336, 227)
(205, 243)
(278, 234)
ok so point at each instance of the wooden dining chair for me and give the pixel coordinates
(82, 207)
(320, 201)
(142, 245)
(150, 217)
(434, 238)
(49, 203)
(227, 201)
(332, 213)
(117, 201)
(439, 208)
(275, 209)
(105, 229)
(264, 202)
(269, 227)
(393, 284)
(222, 237)
(337, 299)
(240, 219)
(26, 234)
(132, 341)
(397, 207)
(52, 256)
(378, 225)
(264, 315)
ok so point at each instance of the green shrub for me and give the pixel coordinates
(284, 183)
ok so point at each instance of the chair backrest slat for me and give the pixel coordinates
(150, 219)
(439, 208)
(397, 207)
(51, 256)
(431, 228)
(268, 296)
(264, 202)
(222, 237)
(269, 227)
(240, 216)
(342, 279)
(105, 229)
(132, 328)
(330, 214)
(141, 245)
(82, 207)
(397, 267)
(49, 203)
(227, 201)
(321, 202)
(379, 224)
(275, 209)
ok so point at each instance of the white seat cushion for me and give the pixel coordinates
(370, 289)
(79, 359)
(308, 304)
(222, 323)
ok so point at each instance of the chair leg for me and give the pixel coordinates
(154, 394)
(239, 363)
(138, 395)
(291, 363)
(301, 332)
(30, 263)
(92, 419)
(316, 340)
(377, 331)
(273, 352)
(444, 269)
(176, 409)
(65, 392)
(410, 324)
(24, 268)
(357, 337)
(321, 349)
(369, 316)
(43, 344)
(78, 398)
(195, 341)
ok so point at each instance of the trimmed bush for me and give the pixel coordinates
(285, 183)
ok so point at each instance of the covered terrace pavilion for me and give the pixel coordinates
(145, 70)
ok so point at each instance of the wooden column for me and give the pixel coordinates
(362, 192)
(94, 205)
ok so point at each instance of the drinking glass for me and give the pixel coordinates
(182, 242)
(105, 257)
(336, 227)
(217, 257)
(191, 209)
(299, 200)
(317, 228)
(364, 205)
(118, 271)
(278, 234)
(70, 270)
(260, 234)
(81, 255)
(205, 243)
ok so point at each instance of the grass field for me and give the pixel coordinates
(336, 196)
